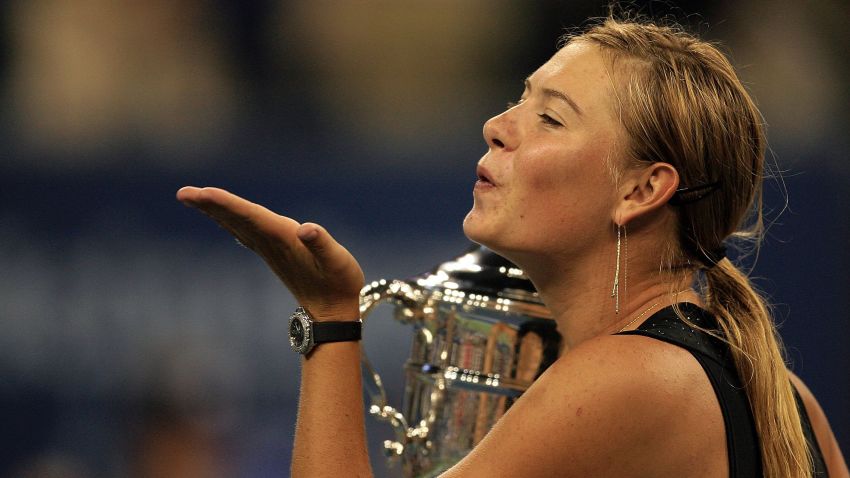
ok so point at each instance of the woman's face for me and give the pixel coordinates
(544, 184)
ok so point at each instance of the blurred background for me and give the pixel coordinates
(137, 339)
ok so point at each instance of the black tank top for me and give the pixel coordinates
(742, 442)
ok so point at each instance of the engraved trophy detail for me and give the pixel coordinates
(481, 337)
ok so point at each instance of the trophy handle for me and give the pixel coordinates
(410, 299)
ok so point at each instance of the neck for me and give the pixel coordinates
(579, 295)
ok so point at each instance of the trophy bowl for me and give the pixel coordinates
(481, 336)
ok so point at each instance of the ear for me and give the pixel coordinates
(645, 190)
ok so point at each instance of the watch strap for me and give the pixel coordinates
(337, 331)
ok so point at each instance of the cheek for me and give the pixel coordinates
(573, 182)
(570, 169)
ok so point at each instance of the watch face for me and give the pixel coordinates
(300, 335)
(296, 332)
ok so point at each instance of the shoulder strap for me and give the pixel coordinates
(666, 325)
(713, 355)
(818, 463)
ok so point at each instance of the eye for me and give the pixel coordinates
(511, 104)
(548, 120)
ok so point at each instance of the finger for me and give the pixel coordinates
(237, 214)
(216, 200)
(187, 194)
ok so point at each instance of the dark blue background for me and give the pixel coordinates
(125, 316)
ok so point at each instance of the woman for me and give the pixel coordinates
(633, 154)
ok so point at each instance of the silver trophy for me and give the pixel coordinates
(481, 337)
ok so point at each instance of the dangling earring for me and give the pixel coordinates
(625, 261)
(615, 291)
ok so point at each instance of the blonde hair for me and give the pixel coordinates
(681, 103)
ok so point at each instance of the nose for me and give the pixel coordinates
(500, 132)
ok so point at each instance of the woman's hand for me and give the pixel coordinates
(330, 437)
(322, 275)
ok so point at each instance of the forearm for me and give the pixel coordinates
(330, 436)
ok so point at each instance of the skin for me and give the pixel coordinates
(612, 405)
(832, 456)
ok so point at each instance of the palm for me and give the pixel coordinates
(322, 275)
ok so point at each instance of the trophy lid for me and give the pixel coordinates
(482, 272)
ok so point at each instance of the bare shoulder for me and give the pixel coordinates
(613, 406)
(835, 463)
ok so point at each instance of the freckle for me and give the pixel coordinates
(579, 411)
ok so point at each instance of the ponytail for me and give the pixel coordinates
(748, 328)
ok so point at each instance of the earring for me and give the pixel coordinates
(622, 244)
(625, 261)
(615, 291)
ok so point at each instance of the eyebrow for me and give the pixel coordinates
(559, 95)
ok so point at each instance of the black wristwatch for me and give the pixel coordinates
(305, 333)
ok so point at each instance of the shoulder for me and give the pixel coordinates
(628, 397)
(836, 466)
(621, 366)
(651, 386)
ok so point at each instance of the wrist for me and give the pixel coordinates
(334, 313)
(305, 332)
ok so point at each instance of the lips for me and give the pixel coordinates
(484, 176)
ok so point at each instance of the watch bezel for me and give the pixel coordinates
(306, 321)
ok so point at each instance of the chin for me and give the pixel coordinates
(473, 229)
(478, 232)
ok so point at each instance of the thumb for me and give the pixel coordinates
(337, 272)
(318, 241)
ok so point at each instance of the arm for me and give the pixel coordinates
(330, 435)
(835, 464)
(330, 438)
